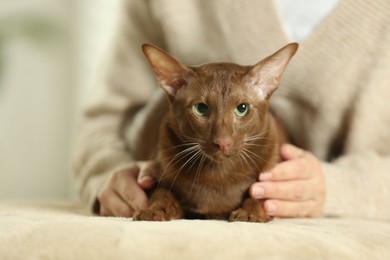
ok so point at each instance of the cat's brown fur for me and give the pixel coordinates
(209, 161)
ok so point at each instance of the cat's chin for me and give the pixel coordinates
(218, 157)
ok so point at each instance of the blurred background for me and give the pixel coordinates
(50, 51)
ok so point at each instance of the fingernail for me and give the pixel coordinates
(265, 176)
(271, 208)
(258, 192)
(146, 179)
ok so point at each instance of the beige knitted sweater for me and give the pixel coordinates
(333, 97)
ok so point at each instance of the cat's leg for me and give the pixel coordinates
(251, 211)
(163, 206)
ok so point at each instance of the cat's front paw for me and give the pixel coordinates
(245, 216)
(160, 214)
(151, 215)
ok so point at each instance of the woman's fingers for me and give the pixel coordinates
(294, 187)
(147, 174)
(296, 165)
(286, 190)
(122, 194)
(126, 186)
(288, 209)
(105, 212)
(113, 205)
(295, 169)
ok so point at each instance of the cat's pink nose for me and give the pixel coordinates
(223, 143)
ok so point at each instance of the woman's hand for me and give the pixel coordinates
(123, 193)
(294, 187)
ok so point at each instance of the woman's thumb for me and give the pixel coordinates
(146, 176)
(290, 152)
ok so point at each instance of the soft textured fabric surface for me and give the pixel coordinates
(63, 230)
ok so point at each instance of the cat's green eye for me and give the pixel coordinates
(241, 110)
(201, 109)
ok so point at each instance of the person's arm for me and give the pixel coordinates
(358, 186)
(127, 85)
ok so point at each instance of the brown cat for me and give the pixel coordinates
(216, 138)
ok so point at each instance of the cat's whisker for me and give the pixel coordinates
(197, 174)
(183, 152)
(242, 158)
(199, 155)
(177, 158)
(257, 137)
(181, 168)
(164, 174)
(178, 146)
(245, 155)
(255, 155)
(257, 145)
(189, 160)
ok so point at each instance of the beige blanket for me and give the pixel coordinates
(63, 230)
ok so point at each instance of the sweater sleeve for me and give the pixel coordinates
(126, 95)
(358, 186)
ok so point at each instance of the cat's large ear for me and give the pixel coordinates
(170, 73)
(265, 75)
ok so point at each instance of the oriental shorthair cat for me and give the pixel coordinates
(216, 137)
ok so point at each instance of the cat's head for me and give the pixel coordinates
(220, 107)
